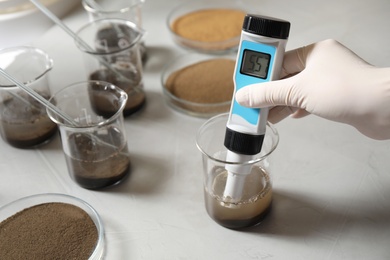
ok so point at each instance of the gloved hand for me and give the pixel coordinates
(328, 80)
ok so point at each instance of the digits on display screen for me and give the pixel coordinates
(255, 64)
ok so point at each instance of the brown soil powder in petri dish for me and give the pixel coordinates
(52, 230)
(210, 26)
(205, 82)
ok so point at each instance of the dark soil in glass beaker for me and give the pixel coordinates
(24, 122)
(250, 210)
(98, 160)
(131, 84)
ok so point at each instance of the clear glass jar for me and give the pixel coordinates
(95, 142)
(111, 54)
(23, 120)
(122, 9)
(256, 199)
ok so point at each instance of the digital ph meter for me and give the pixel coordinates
(259, 59)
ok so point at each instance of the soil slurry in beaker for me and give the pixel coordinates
(24, 121)
(95, 149)
(115, 57)
(98, 164)
(250, 210)
(130, 84)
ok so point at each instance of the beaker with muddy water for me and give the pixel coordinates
(113, 56)
(130, 10)
(256, 199)
(24, 122)
(95, 146)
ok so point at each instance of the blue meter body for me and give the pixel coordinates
(259, 59)
(253, 64)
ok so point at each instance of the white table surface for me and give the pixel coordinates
(331, 185)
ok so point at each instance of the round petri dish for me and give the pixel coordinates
(207, 26)
(212, 98)
(16, 206)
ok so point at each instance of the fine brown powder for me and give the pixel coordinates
(48, 231)
(210, 25)
(205, 82)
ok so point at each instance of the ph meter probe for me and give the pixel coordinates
(259, 59)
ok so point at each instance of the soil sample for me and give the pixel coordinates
(250, 210)
(98, 160)
(117, 45)
(219, 27)
(48, 231)
(207, 86)
(131, 83)
(24, 122)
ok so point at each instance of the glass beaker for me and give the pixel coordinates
(95, 145)
(23, 120)
(255, 201)
(113, 56)
(130, 10)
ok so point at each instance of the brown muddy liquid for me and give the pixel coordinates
(95, 165)
(250, 210)
(25, 123)
(136, 97)
(113, 40)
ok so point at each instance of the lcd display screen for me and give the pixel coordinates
(255, 64)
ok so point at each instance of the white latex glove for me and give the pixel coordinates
(328, 80)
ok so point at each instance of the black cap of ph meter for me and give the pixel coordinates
(243, 143)
(266, 26)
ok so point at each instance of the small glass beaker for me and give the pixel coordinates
(23, 120)
(95, 144)
(256, 198)
(112, 55)
(130, 10)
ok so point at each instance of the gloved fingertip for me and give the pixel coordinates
(243, 97)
